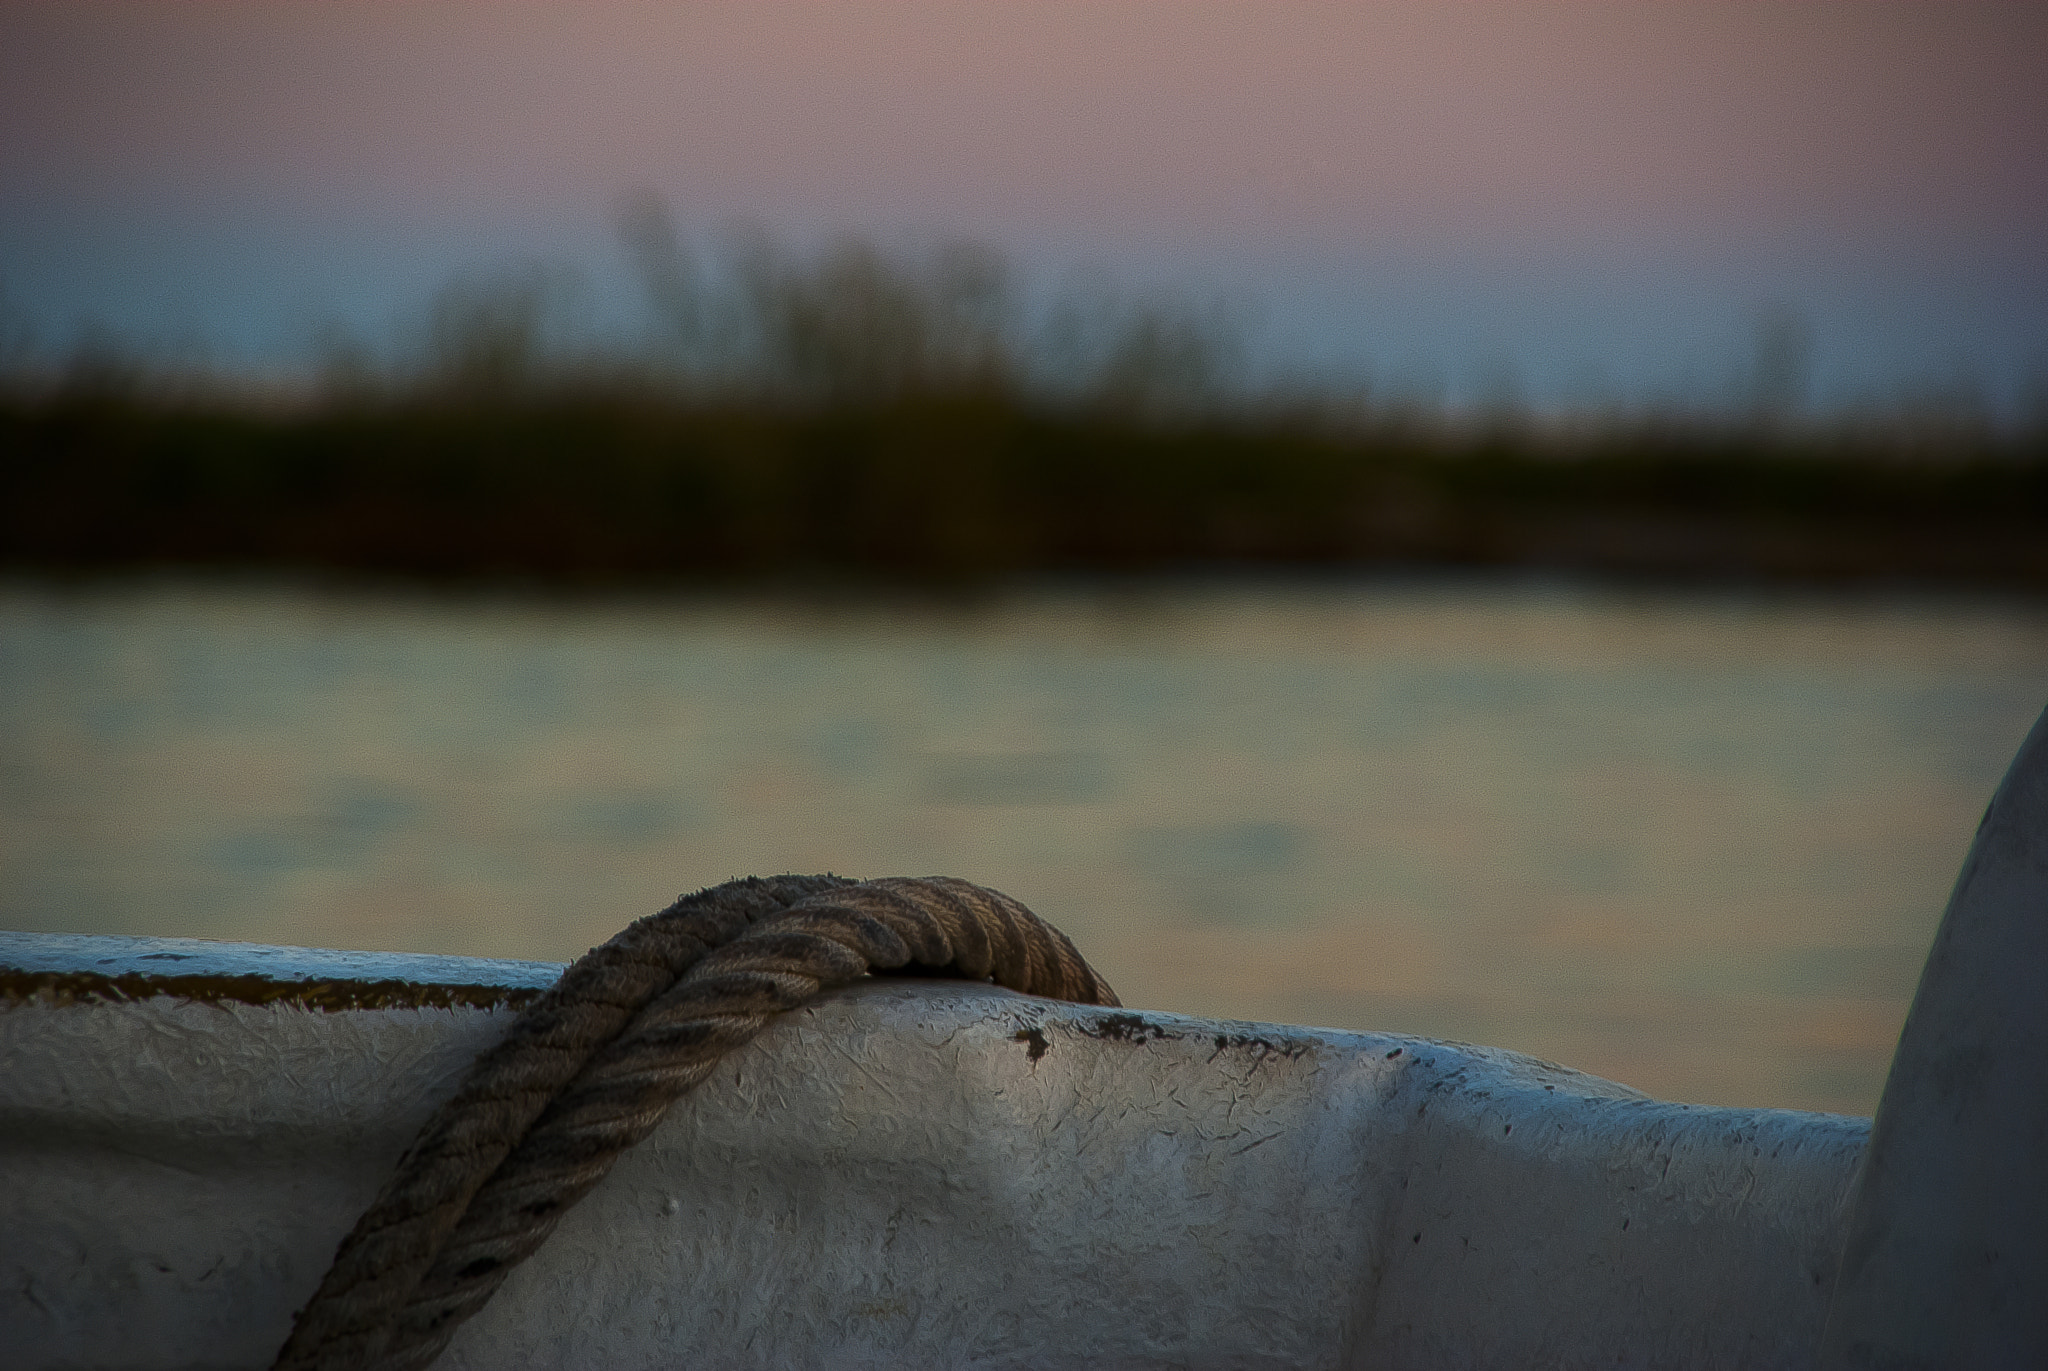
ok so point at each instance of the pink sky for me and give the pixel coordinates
(1872, 164)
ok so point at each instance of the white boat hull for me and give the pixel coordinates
(921, 1173)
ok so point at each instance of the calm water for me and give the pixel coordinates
(1695, 843)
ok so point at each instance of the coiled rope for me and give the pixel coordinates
(588, 1070)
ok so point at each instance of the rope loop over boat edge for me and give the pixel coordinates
(588, 1070)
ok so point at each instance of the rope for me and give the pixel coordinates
(589, 1069)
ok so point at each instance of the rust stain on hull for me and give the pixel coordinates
(330, 996)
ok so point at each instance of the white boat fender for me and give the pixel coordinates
(1946, 1260)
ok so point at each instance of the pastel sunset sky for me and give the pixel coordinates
(1569, 203)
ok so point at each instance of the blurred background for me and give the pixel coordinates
(1517, 522)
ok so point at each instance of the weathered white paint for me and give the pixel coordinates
(1947, 1258)
(910, 1173)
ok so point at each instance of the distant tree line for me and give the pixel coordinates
(908, 416)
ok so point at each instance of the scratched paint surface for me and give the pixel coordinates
(928, 1175)
(1697, 843)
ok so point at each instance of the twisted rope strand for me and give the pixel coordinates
(590, 1069)
(381, 1261)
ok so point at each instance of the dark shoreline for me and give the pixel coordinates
(622, 488)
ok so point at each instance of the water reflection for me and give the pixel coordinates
(1697, 843)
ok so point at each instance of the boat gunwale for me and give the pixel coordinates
(56, 968)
